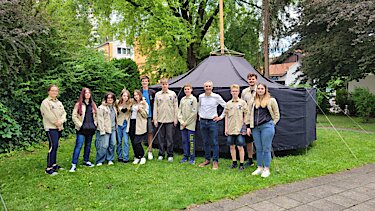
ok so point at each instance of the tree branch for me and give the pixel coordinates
(249, 3)
(207, 25)
(137, 5)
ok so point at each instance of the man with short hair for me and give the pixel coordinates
(208, 117)
(248, 95)
(149, 95)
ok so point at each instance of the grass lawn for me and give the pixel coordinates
(163, 185)
(340, 121)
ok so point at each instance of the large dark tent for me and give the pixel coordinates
(297, 126)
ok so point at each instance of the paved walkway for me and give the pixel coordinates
(350, 190)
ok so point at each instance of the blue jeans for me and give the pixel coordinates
(80, 139)
(123, 150)
(105, 146)
(188, 143)
(209, 133)
(263, 136)
(238, 140)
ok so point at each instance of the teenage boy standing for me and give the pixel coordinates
(149, 95)
(248, 95)
(235, 113)
(165, 116)
(187, 116)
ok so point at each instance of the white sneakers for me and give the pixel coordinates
(160, 158)
(99, 164)
(136, 161)
(143, 161)
(262, 172)
(73, 169)
(170, 159)
(266, 173)
(258, 171)
(110, 163)
(150, 156)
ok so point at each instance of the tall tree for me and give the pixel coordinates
(339, 39)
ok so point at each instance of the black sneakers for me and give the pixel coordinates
(57, 167)
(51, 172)
(249, 162)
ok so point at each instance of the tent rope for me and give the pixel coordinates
(342, 139)
(3, 202)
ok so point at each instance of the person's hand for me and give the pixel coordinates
(248, 131)
(175, 123)
(183, 125)
(244, 133)
(216, 118)
(58, 123)
(155, 124)
(226, 132)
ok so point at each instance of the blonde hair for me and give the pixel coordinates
(128, 103)
(266, 98)
(234, 86)
(164, 80)
(188, 85)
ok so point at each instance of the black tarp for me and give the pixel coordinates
(297, 126)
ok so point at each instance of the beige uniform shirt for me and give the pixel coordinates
(235, 111)
(78, 119)
(272, 107)
(247, 96)
(165, 107)
(187, 112)
(104, 119)
(123, 116)
(52, 111)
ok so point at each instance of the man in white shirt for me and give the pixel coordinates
(208, 118)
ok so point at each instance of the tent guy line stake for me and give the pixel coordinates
(348, 116)
(346, 144)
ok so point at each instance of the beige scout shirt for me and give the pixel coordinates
(165, 107)
(123, 116)
(273, 108)
(187, 112)
(104, 119)
(52, 111)
(247, 96)
(141, 119)
(78, 119)
(235, 111)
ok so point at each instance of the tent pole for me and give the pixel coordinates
(221, 13)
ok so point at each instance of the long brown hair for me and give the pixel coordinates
(140, 96)
(129, 102)
(82, 98)
(266, 97)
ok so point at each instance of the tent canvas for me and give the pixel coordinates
(297, 126)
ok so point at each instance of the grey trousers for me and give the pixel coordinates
(165, 139)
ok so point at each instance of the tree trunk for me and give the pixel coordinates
(191, 57)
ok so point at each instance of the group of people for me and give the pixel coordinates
(251, 118)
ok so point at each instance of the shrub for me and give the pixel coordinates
(344, 98)
(364, 102)
(323, 102)
(10, 130)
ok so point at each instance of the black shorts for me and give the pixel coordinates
(249, 139)
(150, 126)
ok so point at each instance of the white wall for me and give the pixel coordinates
(292, 75)
(367, 83)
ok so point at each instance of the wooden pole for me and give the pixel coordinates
(221, 13)
(266, 19)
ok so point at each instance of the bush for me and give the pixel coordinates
(364, 102)
(323, 102)
(10, 131)
(344, 98)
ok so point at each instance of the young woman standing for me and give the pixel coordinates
(85, 121)
(54, 116)
(106, 131)
(124, 106)
(138, 126)
(264, 115)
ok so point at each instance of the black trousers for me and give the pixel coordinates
(136, 140)
(165, 139)
(53, 136)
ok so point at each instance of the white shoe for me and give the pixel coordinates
(150, 156)
(143, 161)
(73, 169)
(110, 162)
(160, 158)
(136, 161)
(258, 171)
(170, 159)
(266, 173)
(99, 164)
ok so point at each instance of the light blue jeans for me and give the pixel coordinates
(105, 146)
(123, 147)
(263, 136)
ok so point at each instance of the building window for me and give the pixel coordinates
(118, 50)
